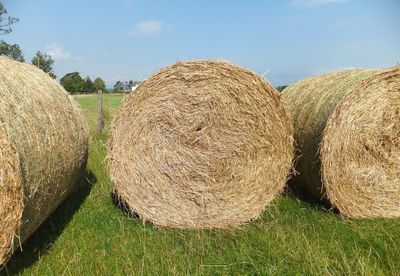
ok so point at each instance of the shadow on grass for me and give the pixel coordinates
(43, 238)
(295, 189)
(123, 206)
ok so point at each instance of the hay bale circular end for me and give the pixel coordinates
(200, 144)
(347, 128)
(360, 150)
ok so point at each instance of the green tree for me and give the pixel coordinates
(5, 23)
(44, 62)
(281, 88)
(88, 86)
(100, 84)
(72, 82)
(12, 51)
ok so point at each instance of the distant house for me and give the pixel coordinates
(126, 87)
(134, 86)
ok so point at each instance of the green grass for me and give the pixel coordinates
(88, 235)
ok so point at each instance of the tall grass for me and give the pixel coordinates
(88, 235)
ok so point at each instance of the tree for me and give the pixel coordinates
(72, 82)
(5, 25)
(44, 62)
(281, 88)
(88, 86)
(100, 84)
(12, 51)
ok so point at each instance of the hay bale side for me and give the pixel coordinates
(347, 131)
(11, 194)
(200, 144)
(43, 148)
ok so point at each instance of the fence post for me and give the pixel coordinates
(100, 112)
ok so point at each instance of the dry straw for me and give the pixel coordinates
(200, 144)
(347, 127)
(43, 150)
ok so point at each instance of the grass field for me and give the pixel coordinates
(87, 235)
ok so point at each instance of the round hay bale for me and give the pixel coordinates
(200, 144)
(347, 127)
(43, 150)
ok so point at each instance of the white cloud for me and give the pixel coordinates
(57, 51)
(314, 3)
(150, 27)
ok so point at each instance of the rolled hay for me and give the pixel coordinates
(347, 128)
(200, 144)
(43, 150)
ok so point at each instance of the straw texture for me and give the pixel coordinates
(200, 144)
(43, 150)
(347, 128)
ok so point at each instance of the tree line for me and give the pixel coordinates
(13, 51)
(72, 82)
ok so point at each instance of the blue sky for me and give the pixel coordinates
(130, 39)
